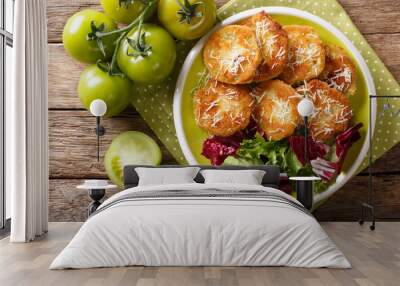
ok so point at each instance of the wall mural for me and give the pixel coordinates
(247, 93)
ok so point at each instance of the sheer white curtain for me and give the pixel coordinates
(26, 124)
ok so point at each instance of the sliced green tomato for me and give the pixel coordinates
(130, 148)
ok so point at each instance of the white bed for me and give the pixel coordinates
(258, 226)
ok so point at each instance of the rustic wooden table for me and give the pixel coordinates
(73, 142)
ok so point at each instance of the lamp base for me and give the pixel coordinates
(96, 195)
(304, 191)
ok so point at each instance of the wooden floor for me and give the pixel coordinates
(375, 257)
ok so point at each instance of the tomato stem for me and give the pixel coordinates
(100, 34)
(97, 34)
(113, 65)
(188, 11)
(139, 45)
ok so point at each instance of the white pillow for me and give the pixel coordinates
(165, 176)
(248, 177)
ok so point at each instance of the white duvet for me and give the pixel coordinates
(200, 231)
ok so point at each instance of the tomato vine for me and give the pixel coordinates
(97, 34)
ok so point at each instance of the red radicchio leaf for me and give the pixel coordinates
(324, 168)
(217, 148)
(345, 140)
(314, 149)
(330, 169)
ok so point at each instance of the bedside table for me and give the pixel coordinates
(97, 190)
(305, 190)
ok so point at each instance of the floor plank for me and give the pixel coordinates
(375, 257)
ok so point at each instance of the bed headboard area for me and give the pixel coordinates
(271, 177)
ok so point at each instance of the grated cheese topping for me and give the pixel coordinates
(329, 113)
(262, 28)
(344, 74)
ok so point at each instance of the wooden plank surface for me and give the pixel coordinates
(64, 73)
(346, 203)
(370, 16)
(69, 203)
(73, 143)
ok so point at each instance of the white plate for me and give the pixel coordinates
(177, 105)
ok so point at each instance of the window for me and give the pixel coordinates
(6, 44)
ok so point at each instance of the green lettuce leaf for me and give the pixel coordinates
(294, 166)
(258, 151)
(268, 152)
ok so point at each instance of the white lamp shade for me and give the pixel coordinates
(98, 107)
(305, 107)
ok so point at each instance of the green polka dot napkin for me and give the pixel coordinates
(154, 102)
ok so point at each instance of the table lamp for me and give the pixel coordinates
(305, 109)
(98, 108)
(305, 185)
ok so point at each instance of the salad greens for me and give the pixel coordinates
(270, 152)
(250, 148)
(257, 150)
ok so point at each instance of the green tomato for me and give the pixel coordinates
(125, 11)
(75, 35)
(115, 91)
(188, 21)
(130, 148)
(153, 60)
